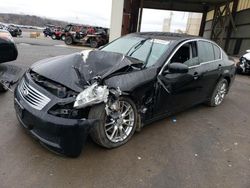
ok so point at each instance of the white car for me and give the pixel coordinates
(244, 65)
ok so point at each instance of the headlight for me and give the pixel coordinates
(243, 60)
(94, 94)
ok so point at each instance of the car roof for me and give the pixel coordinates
(165, 36)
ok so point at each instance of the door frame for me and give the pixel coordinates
(187, 41)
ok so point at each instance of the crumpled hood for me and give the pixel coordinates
(90, 64)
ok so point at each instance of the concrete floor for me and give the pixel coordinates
(205, 147)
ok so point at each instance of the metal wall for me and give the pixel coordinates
(240, 38)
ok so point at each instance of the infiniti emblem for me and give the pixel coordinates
(25, 92)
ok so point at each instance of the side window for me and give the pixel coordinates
(187, 54)
(206, 51)
(217, 52)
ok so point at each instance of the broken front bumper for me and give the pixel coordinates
(62, 135)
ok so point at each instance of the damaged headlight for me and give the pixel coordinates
(94, 94)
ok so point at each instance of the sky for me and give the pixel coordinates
(92, 12)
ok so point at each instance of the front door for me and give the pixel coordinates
(177, 91)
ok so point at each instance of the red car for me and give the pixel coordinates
(57, 34)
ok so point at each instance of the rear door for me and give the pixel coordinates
(210, 64)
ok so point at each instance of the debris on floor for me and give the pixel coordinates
(174, 120)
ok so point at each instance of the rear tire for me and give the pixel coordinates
(63, 37)
(105, 133)
(218, 94)
(53, 36)
(68, 40)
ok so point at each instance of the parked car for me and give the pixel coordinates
(3, 26)
(244, 65)
(57, 34)
(47, 31)
(112, 92)
(15, 31)
(85, 35)
(8, 52)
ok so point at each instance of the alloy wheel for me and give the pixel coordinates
(221, 93)
(118, 128)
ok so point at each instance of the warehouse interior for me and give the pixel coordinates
(223, 21)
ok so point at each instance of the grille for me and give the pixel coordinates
(32, 96)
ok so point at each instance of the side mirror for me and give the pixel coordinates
(177, 68)
(248, 51)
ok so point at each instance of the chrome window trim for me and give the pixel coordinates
(187, 41)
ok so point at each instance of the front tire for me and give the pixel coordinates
(219, 93)
(93, 43)
(114, 131)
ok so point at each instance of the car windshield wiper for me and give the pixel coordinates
(136, 47)
(149, 53)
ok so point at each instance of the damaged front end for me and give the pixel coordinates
(9, 75)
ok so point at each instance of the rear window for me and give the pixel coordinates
(217, 52)
(205, 51)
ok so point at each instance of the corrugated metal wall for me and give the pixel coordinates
(243, 4)
(241, 35)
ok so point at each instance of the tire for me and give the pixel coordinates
(3, 88)
(217, 98)
(100, 133)
(93, 43)
(53, 36)
(239, 70)
(63, 37)
(68, 40)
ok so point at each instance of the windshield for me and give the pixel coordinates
(146, 50)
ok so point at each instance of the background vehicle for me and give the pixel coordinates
(56, 33)
(8, 52)
(47, 31)
(14, 30)
(85, 35)
(244, 65)
(112, 92)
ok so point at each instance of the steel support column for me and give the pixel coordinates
(231, 26)
(203, 22)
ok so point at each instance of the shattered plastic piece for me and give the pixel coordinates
(174, 120)
(144, 110)
(139, 158)
(196, 155)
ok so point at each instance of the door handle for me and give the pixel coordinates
(196, 75)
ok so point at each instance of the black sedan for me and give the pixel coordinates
(112, 92)
(14, 31)
(8, 52)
